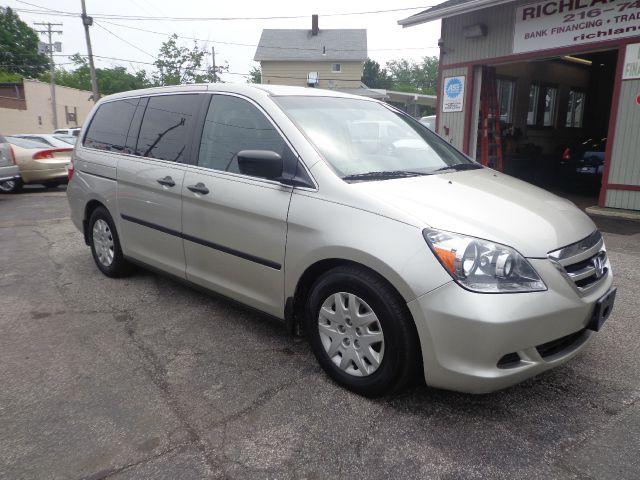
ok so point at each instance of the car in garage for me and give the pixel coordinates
(279, 198)
(37, 163)
(582, 164)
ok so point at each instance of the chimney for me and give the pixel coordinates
(314, 25)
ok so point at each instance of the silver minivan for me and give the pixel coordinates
(389, 249)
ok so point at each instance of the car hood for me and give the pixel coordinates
(485, 204)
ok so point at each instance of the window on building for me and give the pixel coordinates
(550, 97)
(336, 68)
(575, 109)
(506, 93)
(534, 97)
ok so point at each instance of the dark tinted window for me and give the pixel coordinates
(232, 125)
(110, 124)
(166, 125)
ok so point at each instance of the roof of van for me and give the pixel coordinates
(243, 89)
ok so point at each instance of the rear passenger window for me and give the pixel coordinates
(109, 126)
(233, 125)
(166, 125)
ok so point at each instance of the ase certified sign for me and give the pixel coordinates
(631, 67)
(561, 23)
(453, 94)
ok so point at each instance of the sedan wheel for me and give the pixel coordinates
(11, 186)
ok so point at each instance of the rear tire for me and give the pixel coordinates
(105, 245)
(361, 331)
(11, 186)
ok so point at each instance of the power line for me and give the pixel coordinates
(263, 46)
(205, 19)
(123, 40)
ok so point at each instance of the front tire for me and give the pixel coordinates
(105, 245)
(361, 331)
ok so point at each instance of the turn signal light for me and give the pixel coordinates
(566, 155)
(13, 155)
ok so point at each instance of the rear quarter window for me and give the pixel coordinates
(110, 125)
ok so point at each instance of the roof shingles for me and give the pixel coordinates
(301, 45)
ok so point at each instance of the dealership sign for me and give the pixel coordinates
(563, 23)
(453, 95)
(631, 67)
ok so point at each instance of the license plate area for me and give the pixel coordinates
(602, 311)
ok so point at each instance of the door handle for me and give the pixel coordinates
(166, 181)
(199, 188)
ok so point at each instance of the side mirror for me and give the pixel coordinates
(260, 163)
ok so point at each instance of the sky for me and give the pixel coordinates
(118, 38)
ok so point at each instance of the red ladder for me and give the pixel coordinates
(490, 134)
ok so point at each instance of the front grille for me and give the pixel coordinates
(584, 263)
(559, 344)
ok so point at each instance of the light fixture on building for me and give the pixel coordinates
(474, 31)
(581, 61)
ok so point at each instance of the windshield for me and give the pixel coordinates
(362, 140)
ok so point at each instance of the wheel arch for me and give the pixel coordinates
(88, 210)
(295, 302)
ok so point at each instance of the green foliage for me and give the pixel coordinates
(110, 80)
(19, 46)
(255, 75)
(6, 77)
(178, 65)
(375, 77)
(416, 77)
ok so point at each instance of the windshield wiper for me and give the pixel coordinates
(458, 167)
(386, 175)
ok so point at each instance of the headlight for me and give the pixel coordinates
(483, 266)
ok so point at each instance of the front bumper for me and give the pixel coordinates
(465, 336)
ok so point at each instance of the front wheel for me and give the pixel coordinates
(105, 245)
(361, 331)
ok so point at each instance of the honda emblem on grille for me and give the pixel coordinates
(598, 264)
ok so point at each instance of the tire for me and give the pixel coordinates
(348, 350)
(11, 186)
(105, 245)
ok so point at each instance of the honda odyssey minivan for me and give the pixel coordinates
(389, 249)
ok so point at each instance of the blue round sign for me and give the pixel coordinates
(453, 88)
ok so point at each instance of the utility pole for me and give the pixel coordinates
(50, 47)
(87, 21)
(213, 62)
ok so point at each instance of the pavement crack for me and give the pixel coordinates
(158, 375)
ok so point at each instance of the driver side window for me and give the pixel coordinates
(232, 125)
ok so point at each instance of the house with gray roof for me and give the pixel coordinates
(331, 59)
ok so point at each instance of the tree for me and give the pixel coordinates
(110, 80)
(255, 75)
(19, 46)
(414, 77)
(177, 65)
(375, 77)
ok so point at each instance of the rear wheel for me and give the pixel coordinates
(361, 331)
(11, 186)
(105, 245)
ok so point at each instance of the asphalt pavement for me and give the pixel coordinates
(145, 378)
